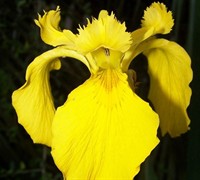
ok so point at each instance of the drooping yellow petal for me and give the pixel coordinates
(170, 74)
(105, 32)
(33, 101)
(159, 18)
(104, 130)
(50, 31)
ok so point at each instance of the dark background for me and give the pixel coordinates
(20, 43)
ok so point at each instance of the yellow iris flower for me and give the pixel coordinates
(104, 130)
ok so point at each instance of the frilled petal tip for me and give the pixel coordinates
(105, 32)
(170, 75)
(156, 20)
(50, 31)
(159, 18)
(104, 130)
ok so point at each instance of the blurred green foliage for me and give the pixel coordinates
(173, 159)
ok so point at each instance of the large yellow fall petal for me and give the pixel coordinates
(33, 101)
(50, 31)
(104, 130)
(170, 74)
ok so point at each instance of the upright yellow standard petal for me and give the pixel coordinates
(105, 32)
(159, 18)
(156, 20)
(104, 130)
(33, 101)
(170, 74)
(50, 31)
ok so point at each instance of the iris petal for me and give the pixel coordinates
(104, 130)
(105, 32)
(50, 31)
(33, 101)
(170, 74)
(138, 36)
(156, 20)
(159, 18)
